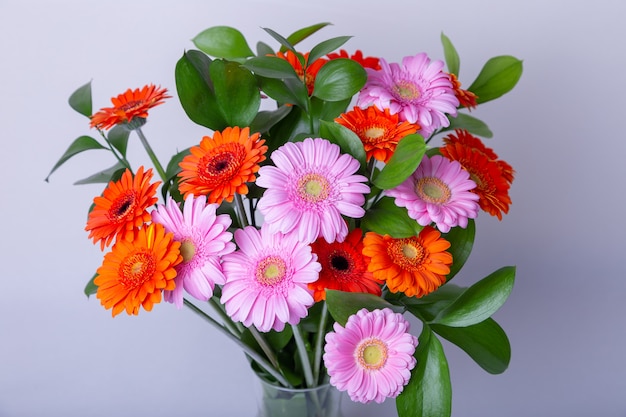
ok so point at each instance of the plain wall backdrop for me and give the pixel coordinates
(561, 129)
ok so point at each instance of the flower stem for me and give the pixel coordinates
(250, 352)
(241, 211)
(151, 154)
(228, 322)
(304, 356)
(265, 347)
(319, 340)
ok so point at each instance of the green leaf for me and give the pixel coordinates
(339, 79)
(429, 392)
(453, 61)
(485, 342)
(172, 166)
(285, 91)
(461, 244)
(195, 90)
(402, 163)
(386, 218)
(223, 42)
(469, 123)
(328, 110)
(236, 92)
(497, 77)
(281, 39)
(263, 49)
(302, 34)
(118, 136)
(294, 124)
(479, 301)
(271, 67)
(347, 140)
(264, 120)
(103, 177)
(80, 100)
(278, 340)
(91, 288)
(427, 307)
(327, 46)
(80, 144)
(341, 305)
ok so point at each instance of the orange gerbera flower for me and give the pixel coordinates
(379, 130)
(415, 266)
(122, 206)
(222, 165)
(366, 62)
(307, 73)
(466, 98)
(138, 268)
(493, 177)
(133, 104)
(343, 267)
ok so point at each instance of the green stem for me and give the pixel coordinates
(265, 347)
(304, 356)
(250, 352)
(151, 154)
(319, 341)
(241, 211)
(228, 322)
(119, 158)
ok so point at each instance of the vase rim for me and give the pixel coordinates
(323, 386)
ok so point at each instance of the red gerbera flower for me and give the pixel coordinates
(133, 104)
(493, 177)
(379, 130)
(343, 267)
(466, 98)
(310, 70)
(366, 62)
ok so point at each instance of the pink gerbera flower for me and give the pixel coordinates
(438, 191)
(309, 189)
(267, 279)
(418, 90)
(204, 238)
(372, 356)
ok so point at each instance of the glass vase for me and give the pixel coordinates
(276, 401)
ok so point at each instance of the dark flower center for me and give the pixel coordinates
(340, 263)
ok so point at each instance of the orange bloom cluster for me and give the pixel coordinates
(308, 72)
(492, 176)
(415, 265)
(131, 105)
(222, 165)
(366, 62)
(378, 130)
(466, 98)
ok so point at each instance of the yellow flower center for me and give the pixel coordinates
(136, 269)
(187, 250)
(433, 190)
(406, 90)
(374, 132)
(372, 354)
(407, 253)
(270, 271)
(313, 188)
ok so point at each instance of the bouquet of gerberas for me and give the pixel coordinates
(315, 215)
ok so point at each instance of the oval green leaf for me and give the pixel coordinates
(265, 120)
(339, 79)
(479, 301)
(223, 42)
(118, 137)
(236, 92)
(327, 46)
(386, 218)
(347, 140)
(341, 305)
(485, 342)
(429, 392)
(91, 288)
(80, 144)
(301, 34)
(103, 177)
(461, 244)
(453, 61)
(270, 67)
(497, 77)
(471, 124)
(80, 100)
(403, 162)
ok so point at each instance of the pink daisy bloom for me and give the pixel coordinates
(267, 279)
(308, 190)
(438, 191)
(204, 238)
(372, 356)
(418, 90)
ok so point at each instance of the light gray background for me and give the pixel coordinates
(561, 128)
